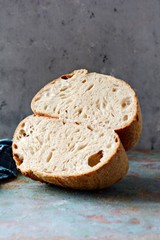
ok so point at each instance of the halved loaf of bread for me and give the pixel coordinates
(69, 154)
(95, 99)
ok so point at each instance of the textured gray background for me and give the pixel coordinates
(40, 40)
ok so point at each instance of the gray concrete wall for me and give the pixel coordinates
(40, 40)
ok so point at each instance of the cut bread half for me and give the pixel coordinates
(95, 99)
(69, 154)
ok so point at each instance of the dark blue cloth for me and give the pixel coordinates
(7, 164)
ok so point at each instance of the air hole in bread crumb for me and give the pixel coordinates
(67, 76)
(126, 102)
(90, 87)
(63, 88)
(116, 139)
(84, 115)
(22, 125)
(114, 89)
(95, 158)
(36, 99)
(79, 111)
(97, 104)
(71, 147)
(62, 95)
(81, 146)
(103, 104)
(77, 123)
(101, 135)
(77, 130)
(19, 161)
(125, 118)
(90, 128)
(116, 85)
(22, 133)
(49, 157)
(15, 146)
(84, 81)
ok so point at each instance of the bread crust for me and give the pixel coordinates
(129, 134)
(18, 161)
(111, 172)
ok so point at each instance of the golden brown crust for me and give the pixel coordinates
(29, 174)
(111, 172)
(130, 134)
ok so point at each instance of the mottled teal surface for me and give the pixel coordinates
(128, 210)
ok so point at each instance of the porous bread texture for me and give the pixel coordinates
(69, 154)
(73, 138)
(95, 99)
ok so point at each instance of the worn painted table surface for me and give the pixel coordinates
(128, 210)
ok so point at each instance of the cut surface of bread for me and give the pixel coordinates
(69, 154)
(74, 137)
(95, 99)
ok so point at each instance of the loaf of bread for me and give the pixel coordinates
(95, 99)
(69, 154)
(81, 125)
